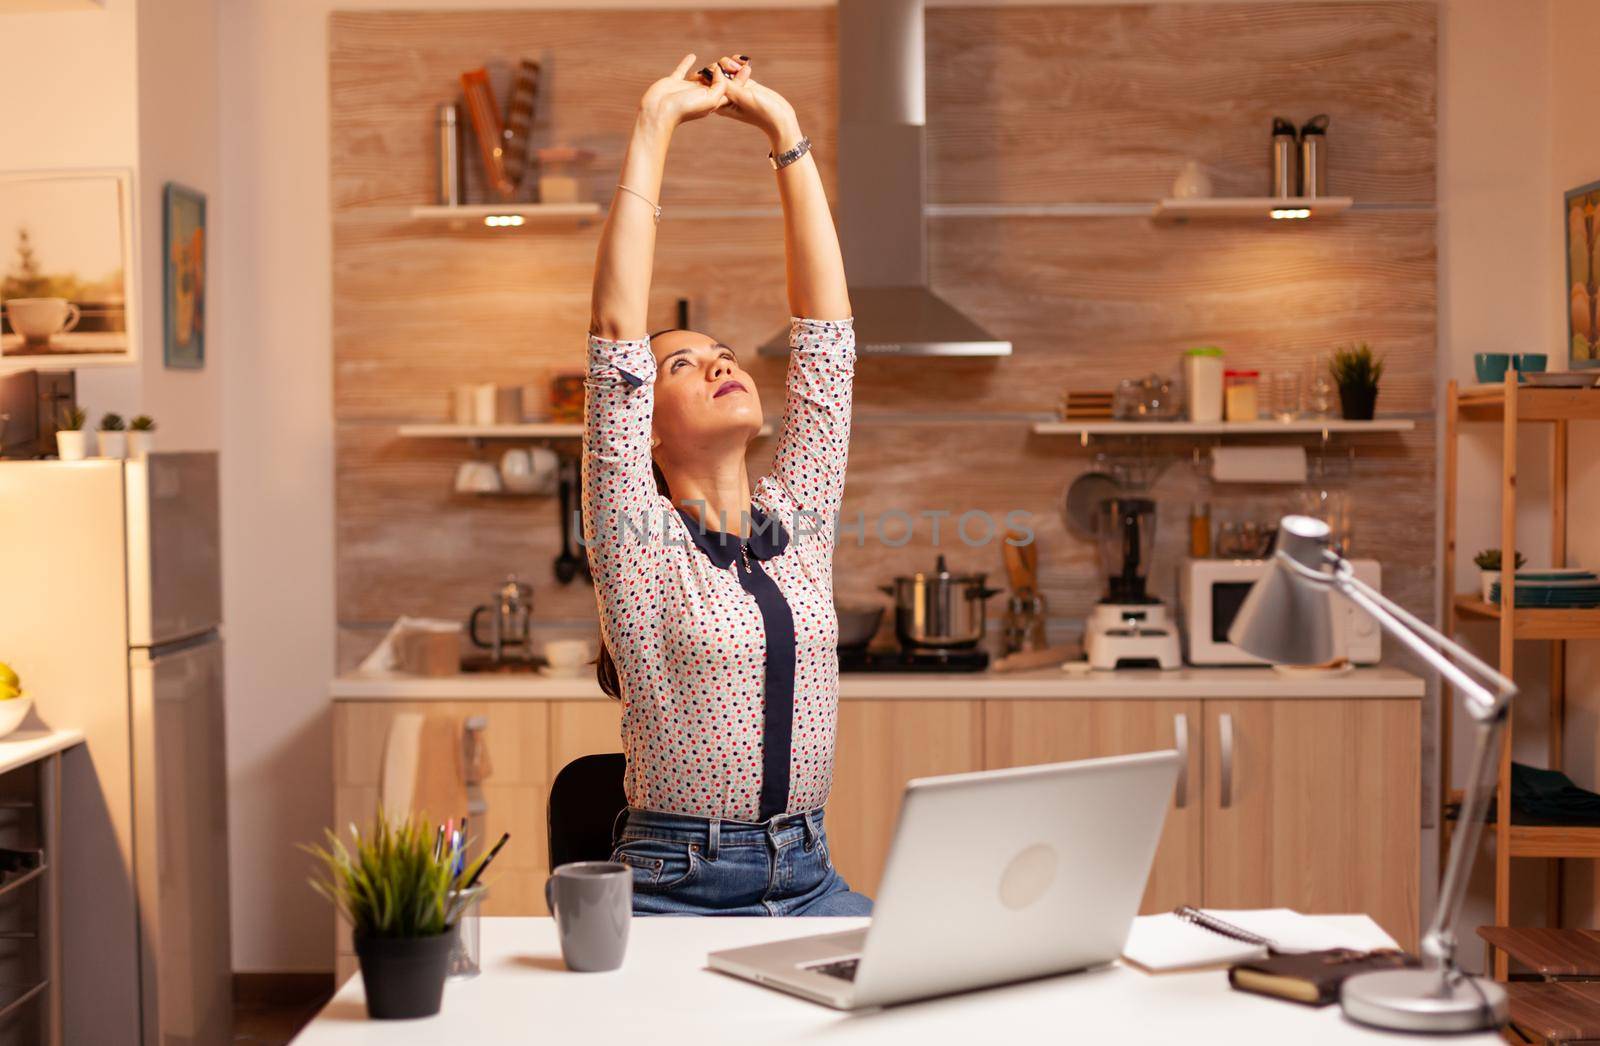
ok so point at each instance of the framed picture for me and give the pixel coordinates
(68, 294)
(1583, 260)
(183, 248)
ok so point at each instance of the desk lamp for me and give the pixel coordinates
(1288, 618)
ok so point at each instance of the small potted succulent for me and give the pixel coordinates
(72, 443)
(394, 886)
(141, 436)
(1356, 371)
(1488, 561)
(113, 436)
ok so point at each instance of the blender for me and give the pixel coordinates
(1129, 628)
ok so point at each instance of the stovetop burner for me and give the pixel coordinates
(861, 659)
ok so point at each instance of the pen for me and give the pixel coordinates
(485, 862)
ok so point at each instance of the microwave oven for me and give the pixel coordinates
(1211, 591)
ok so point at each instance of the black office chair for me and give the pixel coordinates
(585, 799)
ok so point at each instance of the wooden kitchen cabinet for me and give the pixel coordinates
(882, 745)
(1022, 733)
(1315, 805)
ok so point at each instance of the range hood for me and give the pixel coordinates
(882, 188)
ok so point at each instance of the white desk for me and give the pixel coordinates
(664, 994)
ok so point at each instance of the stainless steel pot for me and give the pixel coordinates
(940, 609)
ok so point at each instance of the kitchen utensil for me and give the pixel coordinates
(477, 477)
(1202, 376)
(516, 471)
(939, 609)
(451, 185)
(566, 564)
(1490, 367)
(1192, 182)
(1529, 363)
(1285, 395)
(857, 623)
(1282, 182)
(1025, 607)
(566, 656)
(1314, 156)
(1562, 379)
(466, 953)
(1129, 627)
(510, 617)
(1081, 403)
(1080, 509)
(12, 713)
(491, 135)
(519, 118)
(592, 902)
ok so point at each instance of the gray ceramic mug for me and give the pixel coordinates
(592, 902)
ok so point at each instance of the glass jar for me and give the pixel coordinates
(1241, 394)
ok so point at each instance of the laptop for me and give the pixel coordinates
(993, 877)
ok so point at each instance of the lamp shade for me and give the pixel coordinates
(1287, 618)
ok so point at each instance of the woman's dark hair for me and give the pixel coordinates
(605, 669)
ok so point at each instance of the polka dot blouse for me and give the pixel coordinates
(686, 635)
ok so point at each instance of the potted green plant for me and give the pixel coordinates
(72, 443)
(394, 887)
(1488, 561)
(141, 436)
(113, 436)
(1356, 371)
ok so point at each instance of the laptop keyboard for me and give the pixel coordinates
(844, 969)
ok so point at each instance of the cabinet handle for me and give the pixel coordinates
(1225, 733)
(1180, 731)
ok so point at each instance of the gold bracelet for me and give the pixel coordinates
(653, 205)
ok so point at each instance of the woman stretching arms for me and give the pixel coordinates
(718, 631)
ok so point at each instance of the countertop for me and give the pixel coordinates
(30, 746)
(1056, 683)
(664, 994)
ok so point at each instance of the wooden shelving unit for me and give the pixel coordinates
(1302, 426)
(1510, 405)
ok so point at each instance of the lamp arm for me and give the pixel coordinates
(1489, 708)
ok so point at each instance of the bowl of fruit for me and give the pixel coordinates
(13, 706)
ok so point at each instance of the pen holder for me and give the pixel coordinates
(465, 955)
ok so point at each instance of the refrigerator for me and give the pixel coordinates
(112, 615)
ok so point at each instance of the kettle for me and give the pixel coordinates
(510, 617)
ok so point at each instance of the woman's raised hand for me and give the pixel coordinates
(754, 103)
(680, 96)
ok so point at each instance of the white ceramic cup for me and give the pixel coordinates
(566, 656)
(545, 469)
(516, 471)
(40, 319)
(483, 412)
(477, 477)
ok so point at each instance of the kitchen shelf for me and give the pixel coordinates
(1216, 208)
(1533, 403)
(1324, 426)
(1536, 622)
(465, 215)
(525, 430)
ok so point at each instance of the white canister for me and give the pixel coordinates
(1202, 378)
(484, 404)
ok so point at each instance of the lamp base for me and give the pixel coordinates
(1415, 1000)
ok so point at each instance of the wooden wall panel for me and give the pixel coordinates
(1045, 104)
(389, 71)
(1058, 103)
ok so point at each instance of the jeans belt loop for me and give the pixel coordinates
(616, 824)
(713, 837)
(811, 831)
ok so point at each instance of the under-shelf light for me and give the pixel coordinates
(1291, 212)
(500, 221)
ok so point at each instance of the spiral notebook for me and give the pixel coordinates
(1195, 939)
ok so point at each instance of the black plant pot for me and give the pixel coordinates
(1358, 402)
(404, 976)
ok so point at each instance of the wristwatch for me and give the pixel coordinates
(789, 156)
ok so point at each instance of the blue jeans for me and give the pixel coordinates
(685, 865)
